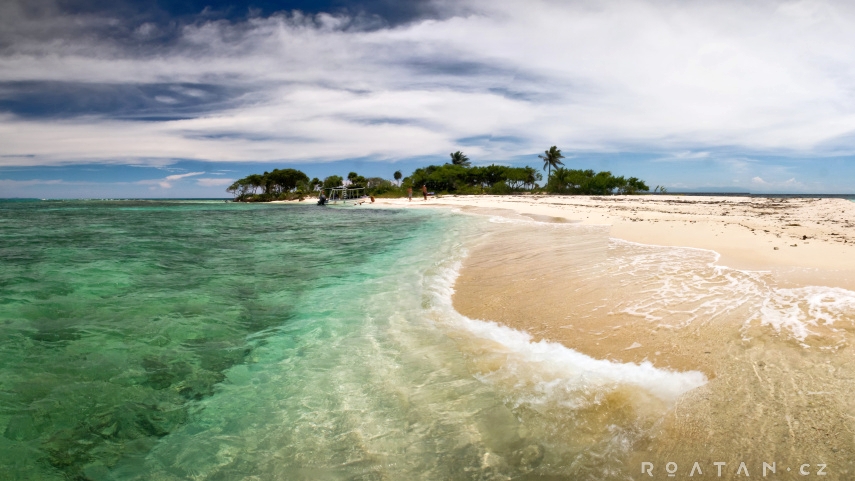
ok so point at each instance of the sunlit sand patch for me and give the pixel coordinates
(586, 414)
(776, 357)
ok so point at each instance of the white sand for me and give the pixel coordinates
(803, 241)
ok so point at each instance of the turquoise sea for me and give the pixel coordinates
(194, 339)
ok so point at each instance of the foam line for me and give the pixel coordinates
(574, 369)
(558, 367)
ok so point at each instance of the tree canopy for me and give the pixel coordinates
(332, 181)
(273, 184)
(460, 179)
(457, 177)
(587, 182)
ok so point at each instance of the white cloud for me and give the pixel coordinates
(789, 185)
(181, 176)
(207, 182)
(168, 181)
(770, 76)
(682, 156)
(146, 30)
(10, 183)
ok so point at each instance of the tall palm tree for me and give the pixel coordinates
(458, 158)
(552, 158)
(397, 176)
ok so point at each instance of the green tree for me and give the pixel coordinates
(333, 181)
(562, 180)
(397, 176)
(486, 176)
(551, 158)
(284, 180)
(633, 186)
(377, 185)
(493, 174)
(459, 158)
(475, 177)
(256, 181)
(276, 184)
(357, 180)
(440, 178)
(516, 177)
(588, 182)
(267, 183)
(238, 189)
(531, 176)
(604, 183)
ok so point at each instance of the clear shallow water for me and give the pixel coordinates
(121, 321)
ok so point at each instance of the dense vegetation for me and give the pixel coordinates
(587, 182)
(455, 177)
(280, 184)
(458, 179)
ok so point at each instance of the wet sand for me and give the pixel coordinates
(777, 353)
(786, 242)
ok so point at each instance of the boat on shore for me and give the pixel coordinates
(341, 194)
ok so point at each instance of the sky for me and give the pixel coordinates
(142, 98)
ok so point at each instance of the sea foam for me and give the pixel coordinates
(687, 284)
(797, 310)
(554, 372)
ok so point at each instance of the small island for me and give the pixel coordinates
(458, 176)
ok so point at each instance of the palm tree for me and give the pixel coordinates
(552, 158)
(458, 158)
(397, 176)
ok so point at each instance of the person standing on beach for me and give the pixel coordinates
(424, 191)
(409, 194)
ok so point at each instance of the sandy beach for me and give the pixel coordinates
(756, 293)
(788, 242)
(802, 241)
(793, 242)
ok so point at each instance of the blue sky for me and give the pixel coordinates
(176, 99)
